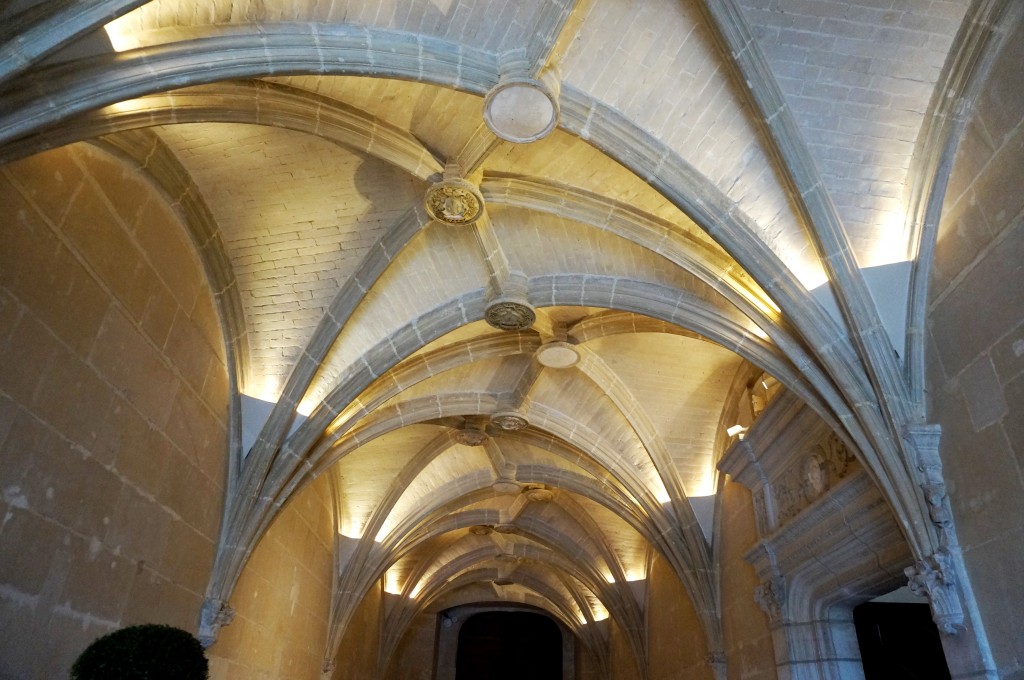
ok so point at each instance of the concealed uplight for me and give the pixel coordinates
(558, 354)
(392, 582)
(416, 590)
(736, 431)
(122, 33)
(635, 574)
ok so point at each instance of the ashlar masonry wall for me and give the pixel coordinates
(282, 600)
(976, 352)
(113, 407)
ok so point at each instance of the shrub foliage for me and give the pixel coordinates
(146, 652)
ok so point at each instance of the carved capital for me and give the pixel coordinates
(771, 597)
(327, 670)
(213, 615)
(716, 660)
(935, 578)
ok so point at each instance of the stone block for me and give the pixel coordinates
(155, 596)
(984, 306)
(143, 453)
(998, 593)
(28, 542)
(124, 186)
(138, 528)
(188, 351)
(134, 367)
(68, 634)
(177, 489)
(50, 180)
(99, 237)
(157, 316)
(30, 345)
(1013, 423)
(98, 582)
(999, 191)
(1002, 108)
(188, 557)
(1008, 355)
(164, 240)
(963, 233)
(988, 501)
(73, 489)
(73, 399)
(982, 393)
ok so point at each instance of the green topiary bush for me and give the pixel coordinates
(146, 652)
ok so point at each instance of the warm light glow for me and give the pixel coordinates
(609, 578)
(392, 582)
(635, 574)
(598, 611)
(352, 527)
(268, 389)
(121, 34)
(660, 493)
(890, 243)
(416, 590)
(305, 408)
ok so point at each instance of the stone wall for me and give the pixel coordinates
(282, 599)
(415, 659)
(748, 641)
(113, 406)
(976, 351)
(357, 654)
(622, 661)
(677, 646)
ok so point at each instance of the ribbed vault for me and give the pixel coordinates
(667, 234)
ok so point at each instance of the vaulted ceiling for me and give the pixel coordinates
(521, 393)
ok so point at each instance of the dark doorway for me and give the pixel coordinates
(509, 646)
(899, 641)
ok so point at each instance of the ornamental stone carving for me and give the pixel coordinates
(213, 615)
(510, 315)
(935, 578)
(510, 421)
(454, 201)
(771, 597)
(925, 440)
(815, 472)
(470, 436)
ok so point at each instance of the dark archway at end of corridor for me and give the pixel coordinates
(504, 645)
